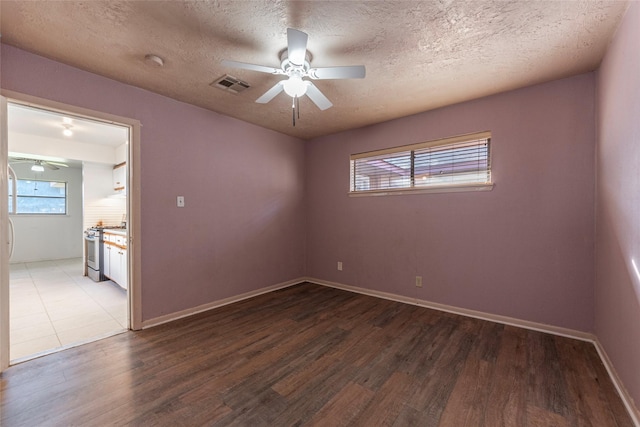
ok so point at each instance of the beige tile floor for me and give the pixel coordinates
(53, 306)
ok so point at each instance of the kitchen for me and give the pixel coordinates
(105, 241)
(70, 176)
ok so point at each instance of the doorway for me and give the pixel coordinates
(48, 287)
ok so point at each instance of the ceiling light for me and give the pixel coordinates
(66, 120)
(295, 86)
(37, 168)
(67, 129)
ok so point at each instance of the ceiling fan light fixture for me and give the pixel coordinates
(294, 86)
(37, 168)
(67, 129)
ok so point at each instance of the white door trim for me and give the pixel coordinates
(133, 209)
(4, 233)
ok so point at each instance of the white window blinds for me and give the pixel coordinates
(463, 160)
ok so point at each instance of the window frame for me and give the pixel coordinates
(47, 181)
(435, 188)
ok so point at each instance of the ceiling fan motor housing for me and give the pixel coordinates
(288, 66)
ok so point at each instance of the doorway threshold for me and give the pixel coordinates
(65, 347)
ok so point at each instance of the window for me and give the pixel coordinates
(454, 164)
(40, 197)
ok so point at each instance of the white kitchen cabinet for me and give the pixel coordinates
(106, 262)
(120, 178)
(116, 267)
(115, 264)
(124, 277)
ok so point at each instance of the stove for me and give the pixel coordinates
(107, 227)
(94, 255)
(97, 230)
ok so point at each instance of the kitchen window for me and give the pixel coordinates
(461, 163)
(40, 197)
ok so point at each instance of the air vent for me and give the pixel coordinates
(230, 84)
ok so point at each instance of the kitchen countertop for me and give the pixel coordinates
(119, 231)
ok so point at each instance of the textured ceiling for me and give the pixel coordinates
(419, 55)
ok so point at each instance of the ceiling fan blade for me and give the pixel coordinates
(19, 160)
(62, 165)
(270, 94)
(296, 46)
(318, 97)
(252, 67)
(50, 166)
(348, 72)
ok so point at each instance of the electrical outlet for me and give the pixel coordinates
(418, 281)
(339, 265)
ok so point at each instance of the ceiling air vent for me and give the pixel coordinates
(230, 84)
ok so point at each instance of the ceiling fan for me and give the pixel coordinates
(39, 165)
(295, 64)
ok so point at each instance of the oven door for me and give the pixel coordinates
(92, 244)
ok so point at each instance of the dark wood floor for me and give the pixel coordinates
(310, 355)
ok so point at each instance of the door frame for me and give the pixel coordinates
(133, 207)
(4, 232)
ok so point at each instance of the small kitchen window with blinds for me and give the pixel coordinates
(461, 163)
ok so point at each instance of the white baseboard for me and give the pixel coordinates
(632, 409)
(219, 303)
(541, 327)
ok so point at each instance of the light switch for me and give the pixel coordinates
(180, 201)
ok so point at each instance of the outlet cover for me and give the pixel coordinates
(339, 265)
(418, 281)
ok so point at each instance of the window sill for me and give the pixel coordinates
(40, 215)
(425, 190)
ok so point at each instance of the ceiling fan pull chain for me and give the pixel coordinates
(293, 111)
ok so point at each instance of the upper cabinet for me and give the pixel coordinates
(120, 178)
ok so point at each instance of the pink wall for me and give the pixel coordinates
(617, 286)
(243, 224)
(525, 249)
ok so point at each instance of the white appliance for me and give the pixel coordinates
(94, 256)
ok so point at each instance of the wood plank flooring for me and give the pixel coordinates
(315, 356)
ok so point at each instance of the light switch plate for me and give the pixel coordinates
(180, 201)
